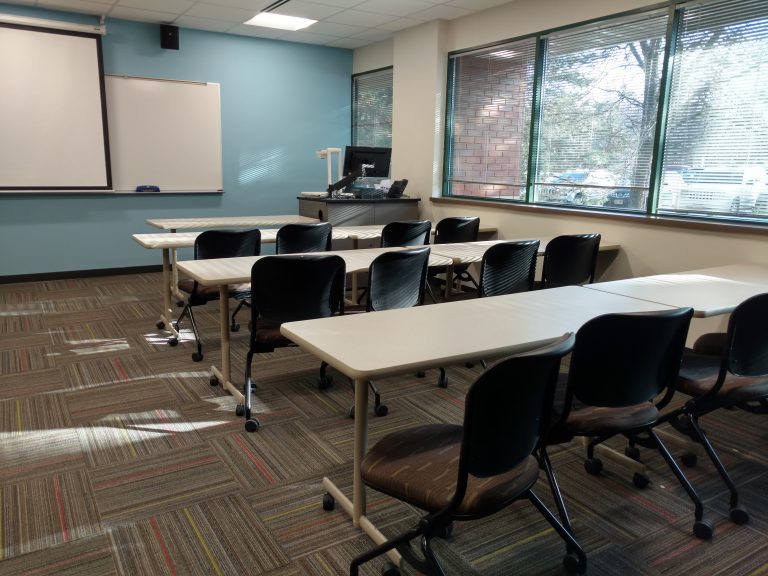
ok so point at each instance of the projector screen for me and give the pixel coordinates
(53, 121)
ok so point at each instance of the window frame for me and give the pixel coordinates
(675, 10)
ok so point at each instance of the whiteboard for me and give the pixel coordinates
(164, 133)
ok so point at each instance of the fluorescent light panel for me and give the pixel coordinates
(279, 21)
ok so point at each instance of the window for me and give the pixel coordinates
(490, 102)
(572, 116)
(372, 108)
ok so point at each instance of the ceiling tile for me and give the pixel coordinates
(175, 6)
(76, 6)
(258, 31)
(401, 24)
(442, 12)
(373, 35)
(236, 15)
(358, 18)
(203, 24)
(307, 10)
(141, 15)
(333, 29)
(350, 43)
(308, 37)
(255, 5)
(394, 7)
(338, 3)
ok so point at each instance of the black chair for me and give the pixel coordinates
(570, 260)
(215, 244)
(406, 233)
(619, 365)
(295, 239)
(287, 289)
(395, 280)
(736, 378)
(506, 268)
(484, 465)
(300, 238)
(457, 229)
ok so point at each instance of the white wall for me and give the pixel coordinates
(419, 57)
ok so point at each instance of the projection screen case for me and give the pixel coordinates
(53, 123)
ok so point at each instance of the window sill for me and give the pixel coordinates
(644, 219)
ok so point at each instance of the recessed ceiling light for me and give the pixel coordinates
(271, 20)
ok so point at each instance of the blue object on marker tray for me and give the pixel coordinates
(147, 188)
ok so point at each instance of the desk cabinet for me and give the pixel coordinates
(359, 212)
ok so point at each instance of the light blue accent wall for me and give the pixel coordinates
(280, 101)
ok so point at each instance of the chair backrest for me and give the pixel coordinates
(397, 279)
(457, 229)
(227, 244)
(289, 288)
(622, 360)
(570, 260)
(747, 338)
(297, 238)
(406, 233)
(508, 268)
(507, 409)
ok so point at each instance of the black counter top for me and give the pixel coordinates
(358, 200)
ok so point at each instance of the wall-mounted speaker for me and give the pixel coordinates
(169, 37)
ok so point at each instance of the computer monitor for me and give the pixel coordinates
(356, 156)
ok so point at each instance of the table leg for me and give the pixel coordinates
(448, 282)
(356, 507)
(223, 376)
(166, 317)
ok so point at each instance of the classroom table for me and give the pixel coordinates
(274, 221)
(222, 272)
(472, 252)
(373, 346)
(709, 291)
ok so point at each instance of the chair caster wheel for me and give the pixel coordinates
(640, 480)
(235, 327)
(381, 410)
(444, 531)
(443, 382)
(180, 303)
(239, 410)
(251, 425)
(593, 466)
(420, 374)
(739, 515)
(329, 502)
(689, 459)
(213, 381)
(324, 382)
(351, 412)
(703, 529)
(390, 569)
(572, 564)
(632, 452)
(160, 325)
(197, 356)
(173, 341)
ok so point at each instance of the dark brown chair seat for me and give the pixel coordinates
(699, 375)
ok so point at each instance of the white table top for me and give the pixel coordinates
(469, 252)
(709, 291)
(366, 346)
(229, 222)
(187, 239)
(371, 231)
(219, 271)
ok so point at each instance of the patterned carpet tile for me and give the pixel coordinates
(36, 453)
(132, 436)
(34, 338)
(269, 457)
(95, 373)
(27, 383)
(119, 399)
(14, 324)
(214, 417)
(34, 412)
(82, 557)
(220, 536)
(43, 512)
(170, 481)
(143, 312)
(74, 317)
(22, 360)
(753, 497)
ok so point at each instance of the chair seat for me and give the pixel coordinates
(268, 335)
(699, 373)
(604, 421)
(419, 466)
